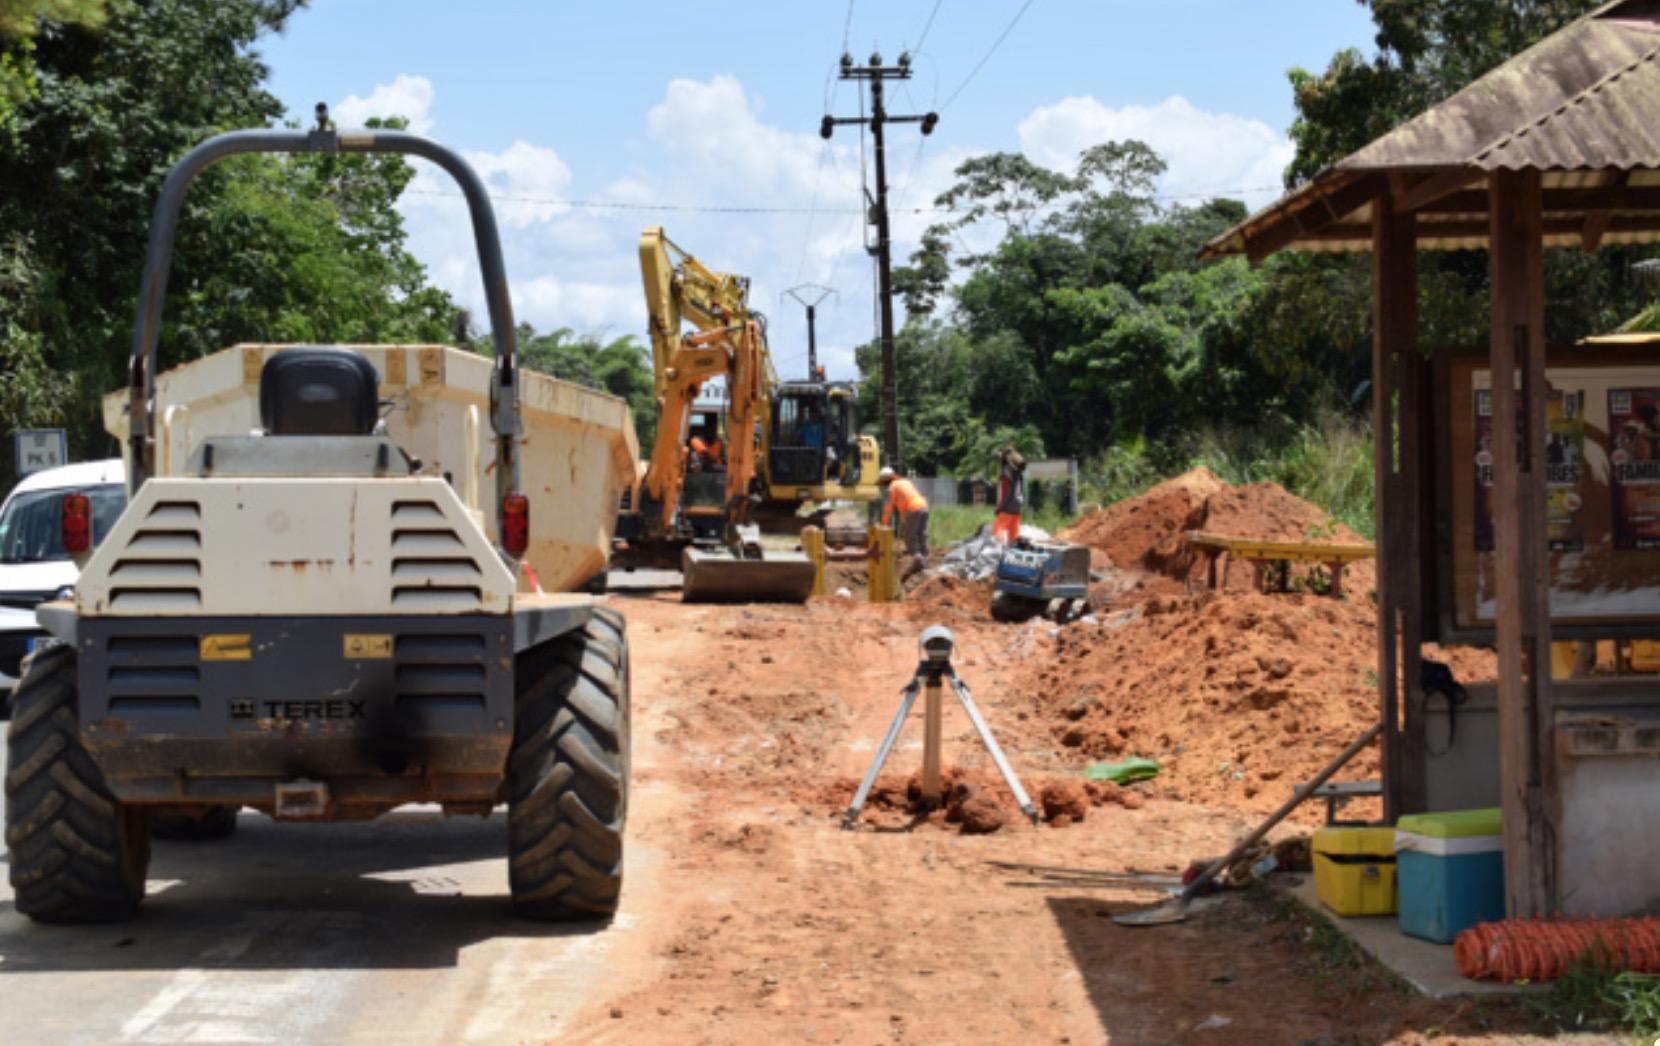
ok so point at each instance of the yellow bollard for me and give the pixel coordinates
(812, 543)
(884, 572)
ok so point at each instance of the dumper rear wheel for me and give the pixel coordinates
(77, 855)
(568, 773)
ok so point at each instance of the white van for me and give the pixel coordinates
(33, 564)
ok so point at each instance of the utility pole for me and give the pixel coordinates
(811, 295)
(875, 74)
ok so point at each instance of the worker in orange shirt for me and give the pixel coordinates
(903, 498)
(706, 452)
(1011, 497)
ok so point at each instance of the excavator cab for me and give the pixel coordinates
(815, 435)
(703, 497)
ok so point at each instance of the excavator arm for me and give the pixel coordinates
(701, 328)
(727, 341)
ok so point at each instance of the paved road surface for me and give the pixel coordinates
(396, 930)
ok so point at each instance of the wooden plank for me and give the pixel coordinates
(1302, 551)
(1516, 349)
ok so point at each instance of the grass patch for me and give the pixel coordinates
(1327, 461)
(1591, 997)
(949, 524)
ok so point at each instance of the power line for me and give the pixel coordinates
(706, 208)
(987, 56)
(927, 26)
(847, 26)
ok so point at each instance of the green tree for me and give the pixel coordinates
(21, 21)
(269, 248)
(620, 366)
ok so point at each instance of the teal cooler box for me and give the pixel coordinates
(1449, 871)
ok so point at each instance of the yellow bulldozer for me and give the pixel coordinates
(721, 472)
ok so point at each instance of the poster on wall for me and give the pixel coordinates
(1634, 439)
(1564, 469)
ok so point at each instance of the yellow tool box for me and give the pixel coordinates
(1354, 870)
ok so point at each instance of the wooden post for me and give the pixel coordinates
(884, 572)
(812, 543)
(1394, 350)
(1527, 763)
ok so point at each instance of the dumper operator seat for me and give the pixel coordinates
(319, 391)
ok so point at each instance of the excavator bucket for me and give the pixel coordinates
(718, 576)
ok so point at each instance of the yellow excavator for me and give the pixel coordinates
(717, 469)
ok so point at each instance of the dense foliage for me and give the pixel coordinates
(98, 98)
(1090, 329)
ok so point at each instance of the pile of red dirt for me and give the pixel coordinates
(938, 591)
(974, 802)
(1240, 697)
(1148, 532)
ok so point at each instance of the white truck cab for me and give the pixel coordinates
(34, 566)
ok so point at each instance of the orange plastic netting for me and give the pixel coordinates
(1542, 950)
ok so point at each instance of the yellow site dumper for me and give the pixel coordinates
(345, 579)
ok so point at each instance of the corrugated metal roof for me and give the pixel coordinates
(1585, 99)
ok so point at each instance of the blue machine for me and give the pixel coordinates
(1041, 577)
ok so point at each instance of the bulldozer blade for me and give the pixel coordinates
(721, 577)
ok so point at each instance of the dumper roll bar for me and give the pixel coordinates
(158, 260)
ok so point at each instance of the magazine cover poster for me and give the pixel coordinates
(1634, 453)
(1564, 469)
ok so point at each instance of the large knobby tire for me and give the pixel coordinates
(77, 855)
(568, 773)
(188, 824)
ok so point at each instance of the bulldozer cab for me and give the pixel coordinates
(815, 434)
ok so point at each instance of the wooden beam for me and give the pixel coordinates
(1435, 187)
(1312, 216)
(1596, 222)
(1394, 343)
(1479, 228)
(1613, 198)
(1522, 621)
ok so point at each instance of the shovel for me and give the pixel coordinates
(1175, 911)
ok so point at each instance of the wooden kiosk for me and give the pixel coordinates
(1515, 535)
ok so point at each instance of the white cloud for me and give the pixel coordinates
(1208, 152)
(407, 96)
(706, 143)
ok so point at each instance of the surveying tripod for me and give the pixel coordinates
(932, 672)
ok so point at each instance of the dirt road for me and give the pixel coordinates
(747, 915)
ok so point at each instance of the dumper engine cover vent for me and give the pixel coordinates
(318, 392)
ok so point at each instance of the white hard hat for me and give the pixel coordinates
(886, 474)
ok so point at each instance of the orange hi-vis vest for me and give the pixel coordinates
(902, 495)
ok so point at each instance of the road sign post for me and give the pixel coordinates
(39, 449)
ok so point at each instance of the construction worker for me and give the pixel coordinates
(1011, 497)
(901, 496)
(706, 451)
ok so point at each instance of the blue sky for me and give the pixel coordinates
(718, 103)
